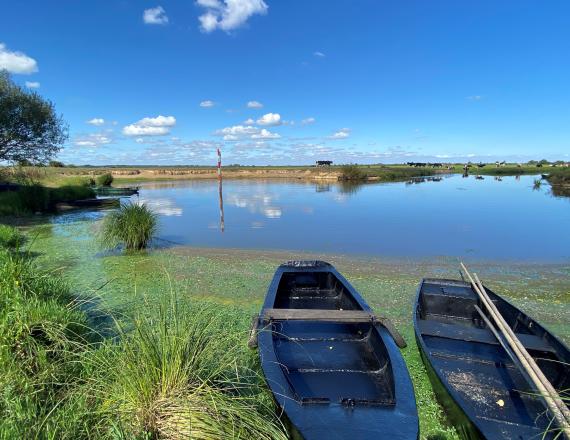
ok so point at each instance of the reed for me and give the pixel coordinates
(132, 226)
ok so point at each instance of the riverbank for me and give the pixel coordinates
(55, 176)
(238, 279)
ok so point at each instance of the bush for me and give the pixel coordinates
(132, 226)
(10, 237)
(105, 179)
(352, 172)
(560, 176)
(56, 164)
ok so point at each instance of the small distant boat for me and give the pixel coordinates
(333, 366)
(112, 191)
(88, 204)
(485, 395)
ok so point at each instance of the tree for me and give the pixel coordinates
(30, 129)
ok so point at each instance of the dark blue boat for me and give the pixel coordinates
(483, 392)
(333, 366)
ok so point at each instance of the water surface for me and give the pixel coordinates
(454, 216)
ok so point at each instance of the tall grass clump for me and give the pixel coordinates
(10, 237)
(185, 372)
(41, 334)
(105, 179)
(132, 225)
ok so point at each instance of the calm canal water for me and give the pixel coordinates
(462, 217)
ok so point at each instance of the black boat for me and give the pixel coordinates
(485, 395)
(333, 366)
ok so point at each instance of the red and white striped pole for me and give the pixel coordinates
(219, 164)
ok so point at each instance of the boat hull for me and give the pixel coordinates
(333, 380)
(482, 391)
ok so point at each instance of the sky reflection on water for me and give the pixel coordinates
(454, 216)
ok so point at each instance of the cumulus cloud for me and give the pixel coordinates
(239, 132)
(270, 119)
(254, 104)
(265, 134)
(96, 121)
(16, 62)
(32, 84)
(93, 140)
(228, 14)
(319, 54)
(249, 121)
(207, 104)
(308, 121)
(155, 16)
(343, 133)
(161, 125)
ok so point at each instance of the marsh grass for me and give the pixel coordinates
(104, 179)
(10, 237)
(34, 198)
(184, 372)
(133, 225)
(178, 369)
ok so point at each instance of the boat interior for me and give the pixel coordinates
(329, 362)
(471, 359)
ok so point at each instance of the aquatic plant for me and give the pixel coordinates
(105, 179)
(537, 184)
(10, 237)
(133, 225)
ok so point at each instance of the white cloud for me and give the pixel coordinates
(254, 104)
(270, 119)
(228, 14)
(32, 84)
(249, 121)
(155, 16)
(238, 132)
(16, 62)
(308, 121)
(96, 121)
(207, 104)
(139, 140)
(265, 134)
(319, 54)
(92, 140)
(343, 133)
(158, 126)
(474, 98)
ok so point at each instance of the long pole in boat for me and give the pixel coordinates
(222, 225)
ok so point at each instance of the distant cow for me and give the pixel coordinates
(324, 163)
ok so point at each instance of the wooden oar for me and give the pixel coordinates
(544, 387)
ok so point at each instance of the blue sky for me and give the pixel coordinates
(147, 82)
